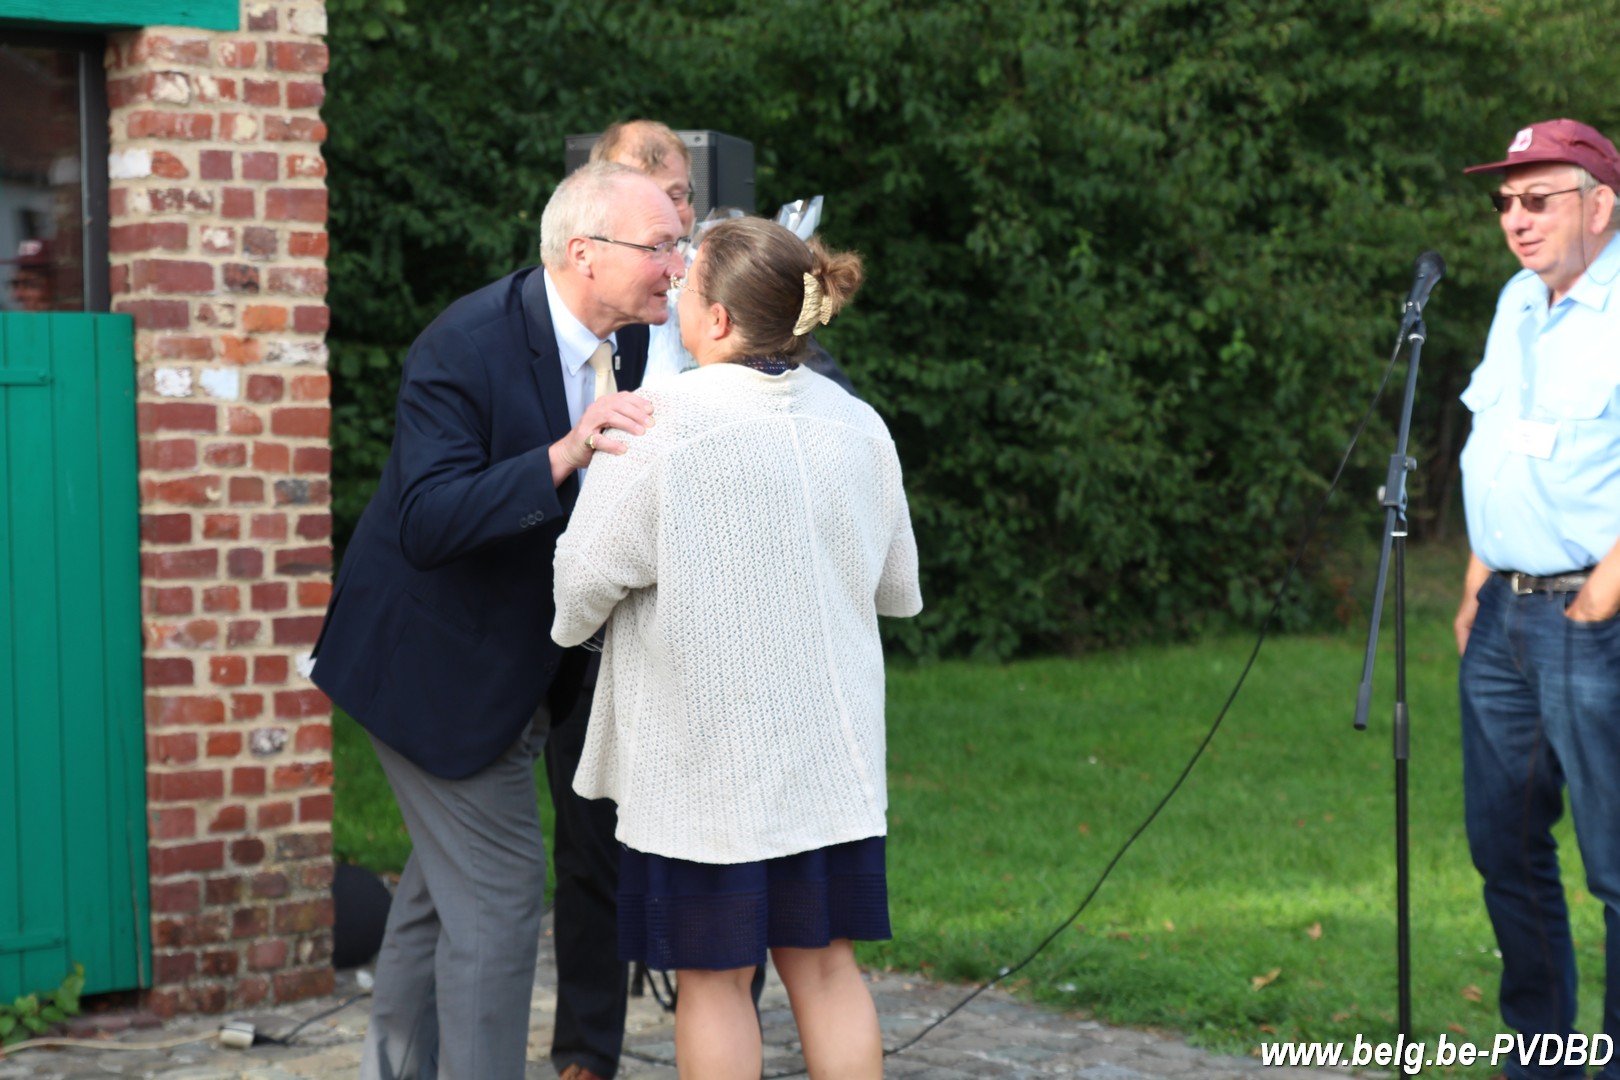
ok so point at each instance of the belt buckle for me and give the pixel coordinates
(1513, 583)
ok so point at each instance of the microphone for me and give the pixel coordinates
(1427, 272)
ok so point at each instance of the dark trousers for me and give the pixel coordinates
(592, 983)
(1541, 717)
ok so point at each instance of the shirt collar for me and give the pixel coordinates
(1597, 284)
(575, 342)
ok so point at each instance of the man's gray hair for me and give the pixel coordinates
(1587, 182)
(582, 205)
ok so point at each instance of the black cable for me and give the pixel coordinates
(287, 1039)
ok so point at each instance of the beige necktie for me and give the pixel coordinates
(602, 365)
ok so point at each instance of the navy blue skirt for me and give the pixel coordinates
(675, 914)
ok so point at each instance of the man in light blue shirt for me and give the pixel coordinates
(1538, 628)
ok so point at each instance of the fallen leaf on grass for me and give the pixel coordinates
(1473, 993)
(1170, 926)
(1260, 982)
(1315, 932)
(1085, 829)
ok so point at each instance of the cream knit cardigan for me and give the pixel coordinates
(744, 547)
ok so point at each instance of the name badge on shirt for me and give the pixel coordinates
(1533, 438)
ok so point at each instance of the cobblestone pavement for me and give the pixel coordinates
(994, 1037)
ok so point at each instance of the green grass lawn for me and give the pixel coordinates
(1012, 786)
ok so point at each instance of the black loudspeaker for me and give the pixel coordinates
(722, 167)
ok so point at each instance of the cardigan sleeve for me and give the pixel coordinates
(899, 593)
(611, 544)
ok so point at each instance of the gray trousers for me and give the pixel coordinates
(456, 970)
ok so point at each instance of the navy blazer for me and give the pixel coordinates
(438, 636)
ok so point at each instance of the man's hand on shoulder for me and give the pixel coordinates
(625, 410)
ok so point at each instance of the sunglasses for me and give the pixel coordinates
(1534, 202)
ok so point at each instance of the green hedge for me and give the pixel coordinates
(1134, 265)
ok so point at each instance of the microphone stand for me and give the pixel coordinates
(1393, 499)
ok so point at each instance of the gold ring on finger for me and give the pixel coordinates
(591, 442)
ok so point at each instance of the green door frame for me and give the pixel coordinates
(110, 14)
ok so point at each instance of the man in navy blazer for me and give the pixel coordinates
(436, 639)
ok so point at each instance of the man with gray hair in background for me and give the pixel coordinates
(436, 639)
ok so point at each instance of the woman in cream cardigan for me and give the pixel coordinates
(744, 548)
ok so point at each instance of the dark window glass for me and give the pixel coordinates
(45, 209)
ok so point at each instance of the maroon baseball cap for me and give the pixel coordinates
(1566, 141)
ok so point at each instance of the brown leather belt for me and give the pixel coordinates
(1525, 584)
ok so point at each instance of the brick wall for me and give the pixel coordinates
(218, 247)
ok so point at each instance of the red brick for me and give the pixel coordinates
(188, 786)
(270, 884)
(167, 565)
(238, 203)
(222, 598)
(314, 594)
(241, 278)
(304, 845)
(239, 350)
(272, 457)
(311, 423)
(292, 704)
(221, 526)
(216, 165)
(295, 204)
(176, 416)
(168, 166)
(315, 527)
(195, 634)
(176, 600)
(174, 967)
(218, 240)
(167, 671)
(174, 276)
(264, 388)
(302, 492)
(299, 280)
(299, 129)
(267, 955)
(220, 314)
(166, 528)
(118, 202)
(217, 89)
(312, 459)
(187, 858)
(264, 317)
(259, 242)
(313, 737)
(219, 964)
(118, 274)
(168, 453)
(244, 421)
(312, 319)
(185, 347)
(176, 897)
(238, 54)
(244, 563)
(156, 314)
(248, 781)
(298, 631)
(226, 455)
(187, 491)
(244, 632)
(264, 19)
(224, 744)
(298, 56)
(270, 669)
(248, 851)
(177, 748)
(184, 710)
(227, 670)
(259, 165)
(314, 808)
(148, 236)
(250, 922)
(303, 983)
(305, 167)
(311, 387)
(276, 814)
(223, 890)
(308, 245)
(305, 95)
(270, 596)
(252, 991)
(246, 490)
(295, 562)
(261, 92)
(229, 819)
(172, 823)
(247, 706)
(151, 45)
(149, 124)
(175, 200)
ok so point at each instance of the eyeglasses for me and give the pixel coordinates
(1534, 202)
(660, 249)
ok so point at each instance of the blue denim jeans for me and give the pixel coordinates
(1541, 712)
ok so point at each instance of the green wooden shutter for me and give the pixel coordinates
(72, 753)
